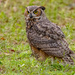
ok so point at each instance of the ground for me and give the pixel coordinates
(15, 52)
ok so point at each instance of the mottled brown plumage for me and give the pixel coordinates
(45, 38)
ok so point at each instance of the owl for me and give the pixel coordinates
(45, 38)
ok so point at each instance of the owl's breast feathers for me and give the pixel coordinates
(46, 29)
(49, 38)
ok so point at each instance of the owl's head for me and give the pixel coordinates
(34, 13)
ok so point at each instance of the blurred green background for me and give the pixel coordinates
(15, 53)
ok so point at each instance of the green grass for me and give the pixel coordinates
(15, 53)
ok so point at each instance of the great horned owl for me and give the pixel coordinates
(45, 38)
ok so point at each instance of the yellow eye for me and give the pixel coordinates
(35, 12)
(27, 12)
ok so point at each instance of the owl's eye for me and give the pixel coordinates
(27, 12)
(35, 12)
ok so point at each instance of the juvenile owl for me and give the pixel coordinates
(45, 38)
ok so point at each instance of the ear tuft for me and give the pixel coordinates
(42, 7)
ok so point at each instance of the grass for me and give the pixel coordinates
(15, 53)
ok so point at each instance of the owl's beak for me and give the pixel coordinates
(30, 15)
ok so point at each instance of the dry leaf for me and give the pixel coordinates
(12, 50)
(3, 38)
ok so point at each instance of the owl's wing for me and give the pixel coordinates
(52, 42)
(49, 29)
(52, 47)
(54, 31)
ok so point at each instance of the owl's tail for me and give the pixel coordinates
(70, 58)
